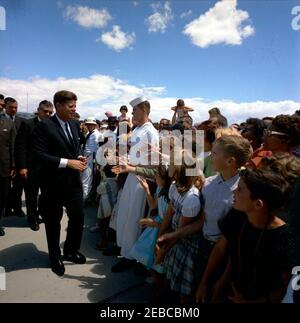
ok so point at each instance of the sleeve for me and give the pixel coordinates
(147, 172)
(191, 206)
(12, 146)
(171, 191)
(21, 146)
(40, 146)
(230, 225)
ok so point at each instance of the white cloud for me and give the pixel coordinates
(161, 18)
(87, 17)
(223, 23)
(135, 3)
(186, 14)
(99, 93)
(117, 39)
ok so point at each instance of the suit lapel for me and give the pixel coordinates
(75, 135)
(62, 134)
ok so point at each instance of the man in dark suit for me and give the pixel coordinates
(27, 166)
(7, 140)
(14, 203)
(56, 147)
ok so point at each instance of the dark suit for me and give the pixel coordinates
(25, 160)
(15, 194)
(7, 162)
(59, 186)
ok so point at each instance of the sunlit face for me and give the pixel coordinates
(66, 111)
(242, 200)
(12, 108)
(219, 160)
(1, 105)
(138, 114)
(274, 142)
(45, 112)
(91, 127)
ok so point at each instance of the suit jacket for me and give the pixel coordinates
(18, 122)
(50, 144)
(7, 143)
(24, 146)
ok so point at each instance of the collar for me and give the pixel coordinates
(61, 122)
(230, 182)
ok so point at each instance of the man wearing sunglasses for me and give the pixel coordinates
(283, 135)
(27, 167)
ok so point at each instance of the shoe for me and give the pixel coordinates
(75, 257)
(112, 251)
(34, 226)
(94, 228)
(19, 213)
(40, 220)
(8, 212)
(2, 232)
(57, 266)
(123, 265)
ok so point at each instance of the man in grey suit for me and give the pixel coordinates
(7, 140)
(14, 203)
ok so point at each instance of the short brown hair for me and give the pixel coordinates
(9, 100)
(46, 103)
(237, 147)
(145, 105)
(63, 97)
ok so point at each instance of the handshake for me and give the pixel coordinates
(79, 164)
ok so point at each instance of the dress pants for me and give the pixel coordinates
(53, 202)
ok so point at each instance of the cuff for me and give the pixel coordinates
(63, 163)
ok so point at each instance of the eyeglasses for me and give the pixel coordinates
(269, 133)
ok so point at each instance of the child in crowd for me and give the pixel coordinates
(262, 250)
(183, 209)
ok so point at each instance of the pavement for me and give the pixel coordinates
(23, 254)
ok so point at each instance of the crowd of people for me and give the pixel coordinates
(226, 231)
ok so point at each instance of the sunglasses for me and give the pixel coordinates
(269, 133)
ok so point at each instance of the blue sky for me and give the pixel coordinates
(47, 40)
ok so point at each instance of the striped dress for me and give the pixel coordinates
(182, 259)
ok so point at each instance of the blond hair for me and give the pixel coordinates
(220, 132)
(237, 147)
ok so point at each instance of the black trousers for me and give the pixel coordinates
(15, 194)
(4, 191)
(52, 211)
(31, 188)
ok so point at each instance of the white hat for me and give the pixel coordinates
(90, 121)
(137, 101)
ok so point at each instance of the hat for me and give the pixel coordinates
(137, 101)
(90, 121)
(104, 126)
(109, 114)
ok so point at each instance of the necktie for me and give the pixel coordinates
(12, 118)
(69, 135)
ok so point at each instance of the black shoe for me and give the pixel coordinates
(57, 266)
(112, 251)
(8, 212)
(19, 213)
(2, 232)
(34, 226)
(40, 220)
(75, 257)
(123, 265)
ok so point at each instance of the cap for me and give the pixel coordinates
(137, 101)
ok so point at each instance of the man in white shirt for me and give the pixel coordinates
(144, 141)
(89, 150)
